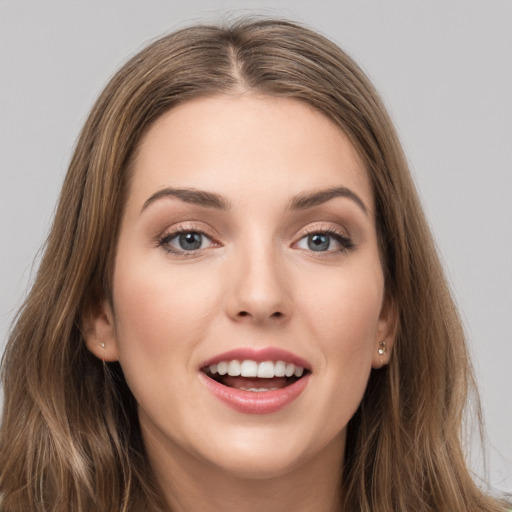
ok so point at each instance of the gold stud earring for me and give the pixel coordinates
(383, 349)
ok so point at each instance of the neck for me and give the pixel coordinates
(189, 483)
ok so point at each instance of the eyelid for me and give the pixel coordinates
(161, 240)
(344, 239)
(186, 226)
(322, 227)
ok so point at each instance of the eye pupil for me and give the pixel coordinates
(190, 241)
(318, 242)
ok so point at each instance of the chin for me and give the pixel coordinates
(267, 452)
(252, 463)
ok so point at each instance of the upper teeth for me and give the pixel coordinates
(248, 368)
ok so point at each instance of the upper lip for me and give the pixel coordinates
(258, 355)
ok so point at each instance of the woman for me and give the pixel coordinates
(240, 305)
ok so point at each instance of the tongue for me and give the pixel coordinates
(254, 382)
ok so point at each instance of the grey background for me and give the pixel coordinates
(443, 67)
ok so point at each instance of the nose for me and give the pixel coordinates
(259, 288)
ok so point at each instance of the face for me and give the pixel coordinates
(247, 246)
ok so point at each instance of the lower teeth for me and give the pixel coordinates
(258, 390)
(220, 380)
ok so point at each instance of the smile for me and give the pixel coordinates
(256, 386)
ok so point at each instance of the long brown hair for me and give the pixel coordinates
(70, 438)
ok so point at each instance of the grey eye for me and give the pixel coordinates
(189, 241)
(319, 242)
(324, 241)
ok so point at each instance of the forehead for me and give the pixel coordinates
(246, 146)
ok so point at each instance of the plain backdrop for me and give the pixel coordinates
(443, 67)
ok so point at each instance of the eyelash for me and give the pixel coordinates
(345, 242)
(163, 241)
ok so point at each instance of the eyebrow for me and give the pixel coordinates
(308, 200)
(217, 202)
(191, 196)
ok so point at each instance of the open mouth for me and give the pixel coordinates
(249, 375)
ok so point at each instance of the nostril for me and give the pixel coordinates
(275, 315)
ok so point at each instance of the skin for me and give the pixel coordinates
(255, 282)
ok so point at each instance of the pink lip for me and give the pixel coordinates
(265, 354)
(252, 402)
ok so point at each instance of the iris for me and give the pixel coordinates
(190, 241)
(319, 242)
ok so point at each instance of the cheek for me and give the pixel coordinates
(351, 302)
(344, 316)
(341, 314)
(159, 312)
(162, 314)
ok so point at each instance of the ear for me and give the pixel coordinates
(386, 332)
(100, 332)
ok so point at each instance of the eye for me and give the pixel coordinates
(185, 241)
(325, 241)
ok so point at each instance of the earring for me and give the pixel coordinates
(383, 349)
(103, 345)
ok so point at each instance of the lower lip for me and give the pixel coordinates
(256, 402)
